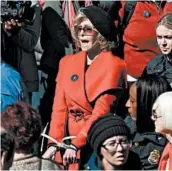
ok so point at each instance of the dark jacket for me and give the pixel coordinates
(55, 38)
(149, 147)
(160, 66)
(19, 51)
(133, 162)
(146, 145)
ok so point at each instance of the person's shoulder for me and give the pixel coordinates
(158, 57)
(56, 5)
(48, 164)
(114, 60)
(156, 60)
(8, 71)
(150, 137)
(155, 137)
(72, 57)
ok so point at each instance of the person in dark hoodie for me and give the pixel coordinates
(109, 137)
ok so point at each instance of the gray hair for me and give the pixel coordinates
(164, 104)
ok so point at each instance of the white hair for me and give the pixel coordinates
(164, 104)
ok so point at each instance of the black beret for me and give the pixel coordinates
(101, 21)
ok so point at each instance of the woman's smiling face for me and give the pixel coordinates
(87, 35)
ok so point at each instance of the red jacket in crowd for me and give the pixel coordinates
(83, 96)
(140, 34)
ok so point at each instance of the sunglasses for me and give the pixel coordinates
(88, 30)
(155, 115)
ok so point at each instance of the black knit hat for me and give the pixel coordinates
(106, 127)
(101, 21)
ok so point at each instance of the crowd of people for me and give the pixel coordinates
(69, 77)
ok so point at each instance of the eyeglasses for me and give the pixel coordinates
(155, 115)
(114, 144)
(88, 30)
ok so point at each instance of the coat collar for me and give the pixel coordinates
(84, 87)
(156, 65)
(161, 66)
(72, 79)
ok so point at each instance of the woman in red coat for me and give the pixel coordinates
(88, 82)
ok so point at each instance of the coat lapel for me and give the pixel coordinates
(107, 72)
(93, 74)
(75, 84)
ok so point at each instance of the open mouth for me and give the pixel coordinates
(84, 41)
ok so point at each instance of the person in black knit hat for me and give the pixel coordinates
(109, 137)
(107, 127)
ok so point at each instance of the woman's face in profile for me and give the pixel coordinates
(132, 102)
(158, 120)
(164, 39)
(87, 35)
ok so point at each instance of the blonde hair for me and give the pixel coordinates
(104, 44)
(166, 21)
(164, 104)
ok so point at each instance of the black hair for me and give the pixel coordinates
(7, 144)
(148, 89)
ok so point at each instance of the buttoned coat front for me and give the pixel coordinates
(84, 95)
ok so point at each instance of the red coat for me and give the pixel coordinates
(81, 97)
(166, 155)
(140, 35)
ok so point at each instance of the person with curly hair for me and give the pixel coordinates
(88, 82)
(24, 123)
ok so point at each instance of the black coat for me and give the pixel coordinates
(55, 37)
(160, 66)
(149, 147)
(145, 145)
(18, 51)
